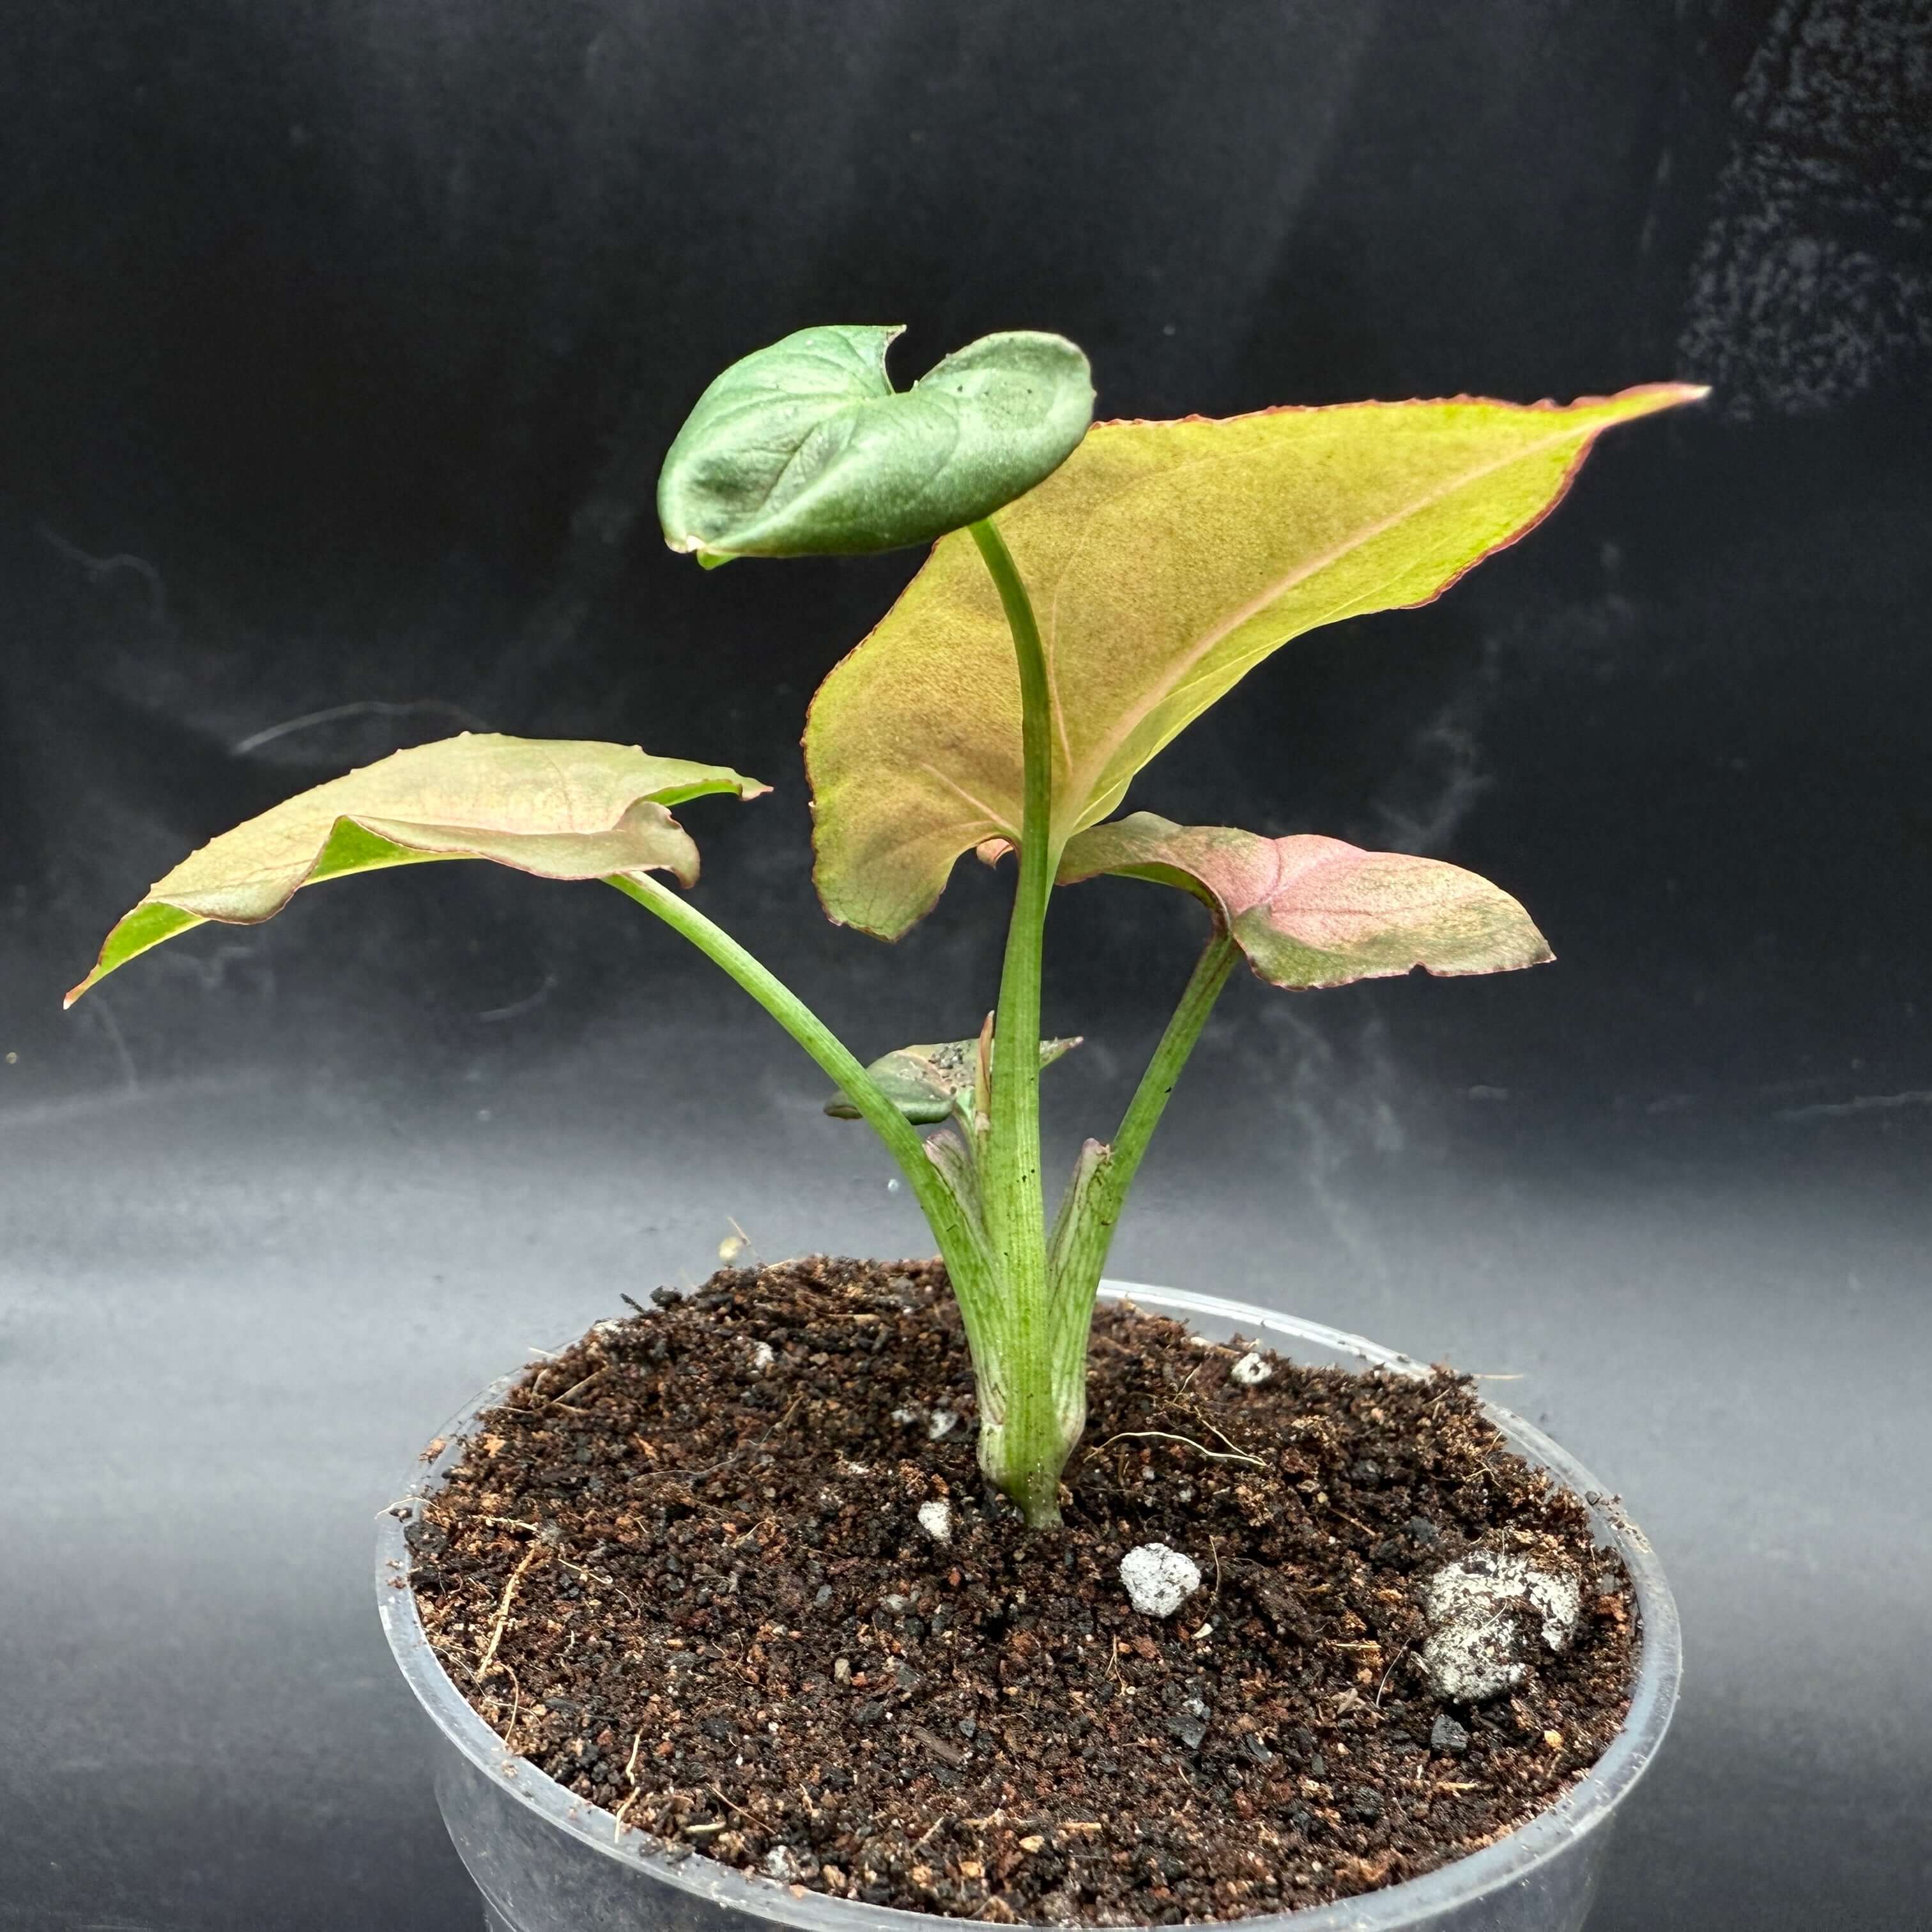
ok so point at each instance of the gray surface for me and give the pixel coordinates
(238, 1306)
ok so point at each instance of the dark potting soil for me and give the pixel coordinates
(683, 1569)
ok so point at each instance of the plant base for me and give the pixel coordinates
(1280, 1704)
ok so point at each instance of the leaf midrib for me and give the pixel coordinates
(1086, 781)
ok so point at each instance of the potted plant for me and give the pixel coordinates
(820, 1593)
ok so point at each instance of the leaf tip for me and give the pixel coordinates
(687, 543)
(1649, 397)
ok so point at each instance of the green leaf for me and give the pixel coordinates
(560, 808)
(1309, 911)
(1165, 561)
(929, 1084)
(805, 449)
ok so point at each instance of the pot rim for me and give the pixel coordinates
(1513, 1858)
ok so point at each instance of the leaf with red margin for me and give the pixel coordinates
(1165, 561)
(1309, 911)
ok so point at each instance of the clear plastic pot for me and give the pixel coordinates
(547, 1860)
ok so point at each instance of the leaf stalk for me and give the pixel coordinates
(1163, 1069)
(1023, 1453)
(1087, 1233)
(964, 1254)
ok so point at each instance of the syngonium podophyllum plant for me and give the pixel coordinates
(1092, 589)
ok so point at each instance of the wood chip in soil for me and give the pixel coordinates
(682, 1570)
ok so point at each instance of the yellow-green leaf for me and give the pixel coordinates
(1164, 560)
(1309, 911)
(560, 808)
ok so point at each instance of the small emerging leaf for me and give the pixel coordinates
(560, 808)
(805, 449)
(1165, 561)
(928, 1083)
(1310, 911)
(1073, 1235)
(950, 1154)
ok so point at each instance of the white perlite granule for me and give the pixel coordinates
(1250, 1370)
(1478, 1608)
(1159, 1579)
(936, 1519)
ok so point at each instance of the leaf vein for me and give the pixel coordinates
(1162, 688)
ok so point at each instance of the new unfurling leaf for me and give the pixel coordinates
(560, 808)
(1309, 911)
(929, 1083)
(1164, 560)
(806, 448)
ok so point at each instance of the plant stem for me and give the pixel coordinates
(965, 1259)
(1163, 1070)
(1080, 1258)
(1023, 1448)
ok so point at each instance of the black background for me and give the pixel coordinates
(341, 340)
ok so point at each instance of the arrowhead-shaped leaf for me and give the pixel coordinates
(1315, 912)
(560, 808)
(928, 1083)
(806, 448)
(1164, 560)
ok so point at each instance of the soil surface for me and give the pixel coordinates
(683, 1571)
